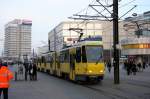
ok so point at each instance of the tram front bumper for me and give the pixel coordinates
(89, 77)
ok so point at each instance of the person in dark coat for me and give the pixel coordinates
(109, 66)
(144, 64)
(134, 68)
(31, 71)
(128, 66)
(139, 65)
(34, 71)
(26, 66)
(125, 65)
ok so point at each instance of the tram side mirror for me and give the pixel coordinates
(78, 55)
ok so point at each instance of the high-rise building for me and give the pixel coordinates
(17, 38)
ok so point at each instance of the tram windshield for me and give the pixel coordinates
(94, 53)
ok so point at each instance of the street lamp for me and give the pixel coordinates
(134, 14)
(138, 32)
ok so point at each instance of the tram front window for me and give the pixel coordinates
(94, 53)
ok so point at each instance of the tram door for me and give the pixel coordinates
(72, 66)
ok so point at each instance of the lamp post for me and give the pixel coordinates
(138, 31)
(115, 42)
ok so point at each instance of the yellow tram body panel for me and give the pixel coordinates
(39, 66)
(90, 69)
(47, 67)
(95, 69)
(65, 68)
(43, 67)
(80, 68)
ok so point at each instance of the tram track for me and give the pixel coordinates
(138, 83)
(106, 93)
(116, 95)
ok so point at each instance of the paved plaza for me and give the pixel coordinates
(50, 87)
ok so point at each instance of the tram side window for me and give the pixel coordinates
(43, 59)
(84, 54)
(61, 57)
(66, 56)
(78, 54)
(52, 60)
(39, 60)
(48, 58)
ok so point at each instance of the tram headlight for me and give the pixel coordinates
(90, 71)
(101, 71)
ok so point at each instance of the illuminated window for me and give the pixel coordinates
(141, 46)
(130, 46)
(148, 45)
(145, 45)
(136, 46)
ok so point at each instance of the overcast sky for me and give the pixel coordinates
(46, 14)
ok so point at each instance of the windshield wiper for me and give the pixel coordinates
(98, 60)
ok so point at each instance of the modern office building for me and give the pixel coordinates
(137, 43)
(64, 34)
(17, 38)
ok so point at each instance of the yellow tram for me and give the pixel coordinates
(81, 62)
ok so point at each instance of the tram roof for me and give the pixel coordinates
(79, 44)
(88, 43)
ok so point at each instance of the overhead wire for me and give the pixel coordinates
(126, 4)
(78, 25)
(107, 2)
(86, 12)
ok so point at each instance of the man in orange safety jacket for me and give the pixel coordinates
(5, 76)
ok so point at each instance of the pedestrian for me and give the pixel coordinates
(31, 71)
(125, 65)
(139, 65)
(134, 68)
(34, 71)
(26, 66)
(144, 65)
(109, 66)
(128, 65)
(20, 70)
(5, 76)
